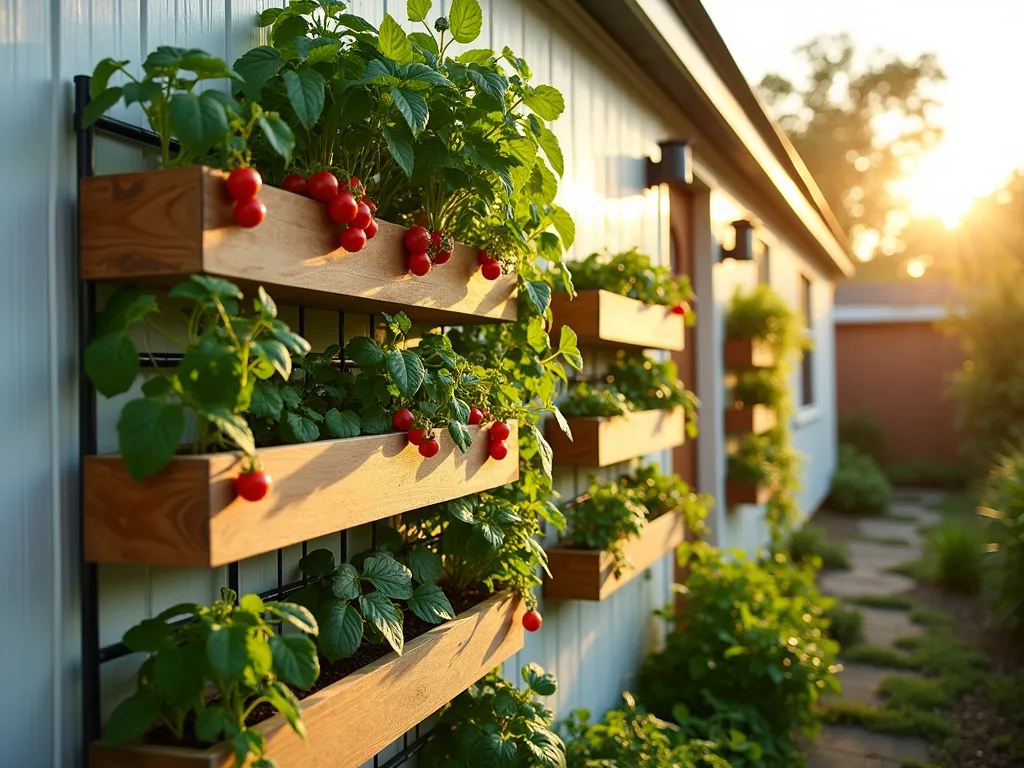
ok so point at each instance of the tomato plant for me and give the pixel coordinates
(227, 355)
(496, 724)
(211, 126)
(361, 598)
(232, 648)
(633, 274)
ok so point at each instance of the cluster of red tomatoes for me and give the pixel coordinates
(427, 248)
(347, 206)
(402, 420)
(489, 266)
(243, 184)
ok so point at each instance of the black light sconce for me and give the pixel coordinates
(743, 249)
(675, 166)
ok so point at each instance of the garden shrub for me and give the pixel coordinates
(864, 432)
(955, 551)
(845, 625)
(1002, 501)
(751, 650)
(928, 473)
(858, 485)
(626, 738)
(811, 541)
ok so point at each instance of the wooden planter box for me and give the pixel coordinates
(603, 318)
(748, 353)
(352, 720)
(755, 419)
(600, 441)
(189, 514)
(579, 574)
(741, 492)
(156, 227)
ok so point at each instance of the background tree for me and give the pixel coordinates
(859, 126)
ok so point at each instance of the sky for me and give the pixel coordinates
(979, 44)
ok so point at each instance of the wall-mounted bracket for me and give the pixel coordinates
(675, 166)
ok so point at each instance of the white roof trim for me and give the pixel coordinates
(865, 314)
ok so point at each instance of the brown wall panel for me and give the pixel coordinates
(899, 373)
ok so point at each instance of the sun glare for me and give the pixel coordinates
(941, 186)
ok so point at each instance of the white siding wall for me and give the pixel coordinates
(605, 134)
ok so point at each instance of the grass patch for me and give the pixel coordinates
(845, 625)
(890, 602)
(812, 541)
(917, 693)
(885, 541)
(894, 721)
(956, 505)
(879, 656)
(925, 617)
(918, 569)
(916, 764)
(896, 517)
(1007, 694)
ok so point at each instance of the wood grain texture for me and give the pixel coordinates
(350, 721)
(601, 441)
(755, 419)
(189, 514)
(579, 574)
(747, 353)
(150, 228)
(606, 319)
(739, 492)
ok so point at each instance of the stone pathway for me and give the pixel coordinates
(842, 746)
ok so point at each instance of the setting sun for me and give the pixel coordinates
(942, 187)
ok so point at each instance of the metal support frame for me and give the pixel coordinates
(675, 167)
(93, 655)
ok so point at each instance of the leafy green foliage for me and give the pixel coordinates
(231, 647)
(609, 514)
(633, 274)
(956, 549)
(858, 485)
(845, 625)
(1002, 502)
(927, 473)
(361, 599)
(583, 399)
(897, 722)
(227, 355)
(763, 314)
(211, 127)
(496, 724)
(625, 737)
(750, 649)
(811, 541)
(864, 432)
(761, 386)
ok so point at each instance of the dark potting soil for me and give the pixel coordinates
(331, 673)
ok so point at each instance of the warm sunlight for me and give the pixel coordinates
(943, 185)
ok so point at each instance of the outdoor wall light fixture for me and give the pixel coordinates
(743, 250)
(675, 166)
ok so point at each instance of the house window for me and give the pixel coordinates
(807, 363)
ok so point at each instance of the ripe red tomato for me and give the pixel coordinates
(244, 183)
(429, 448)
(442, 256)
(354, 184)
(491, 270)
(417, 240)
(416, 435)
(372, 203)
(679, 309)
(323, 186)
(436, 235)
(371, 229)
(253, 486)
(352, 239)
(296, 184)
(482, 257)
(475, 415)
(419, 264)
(500, 431)
(250, 213)
(363, 216)
(532, 621)
(402, 420)
(498, 449)
(343, 208)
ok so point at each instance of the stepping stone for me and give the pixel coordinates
(884, 627)
(879, 528)
(924, 516)
(848, 745)
(867, 556)
(862, 582)
(860, 684)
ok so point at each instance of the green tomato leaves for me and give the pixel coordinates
(306, 92)
(393, 41)
(406, 371)
(148, 434)
(465, 20)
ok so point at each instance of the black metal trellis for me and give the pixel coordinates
(93, 655)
